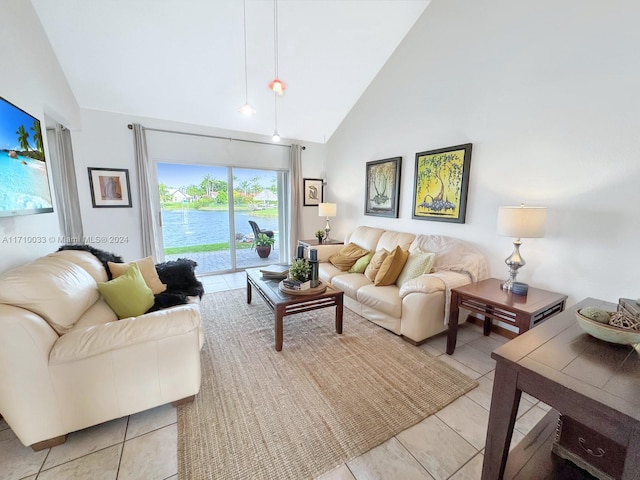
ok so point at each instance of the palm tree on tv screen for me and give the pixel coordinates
(23, 138)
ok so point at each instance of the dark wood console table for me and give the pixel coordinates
(591, 381)
(488, 299)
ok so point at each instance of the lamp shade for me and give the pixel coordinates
(521, 222)
(327, 210)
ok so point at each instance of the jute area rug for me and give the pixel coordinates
(296, 414)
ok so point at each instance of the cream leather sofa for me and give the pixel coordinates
(420, 308)
(67, 362)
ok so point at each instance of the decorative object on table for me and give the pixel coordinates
(275, 272)
(441, 184)
(262, 244)
(300, 251)
(313, 191)
(327, 210)
(110, 187)
(621, 327)
(313, 262)
(382, 190)
(320, 236)
(632, 307)
(519, 222)
(519, 288)
(300, 270)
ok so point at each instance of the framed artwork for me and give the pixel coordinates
(313, 193)
(109, 187)
(382, 192)
(441, 184)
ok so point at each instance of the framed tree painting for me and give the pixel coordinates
(441, 184)
(109, 187)
(382, 192)
(313, 194)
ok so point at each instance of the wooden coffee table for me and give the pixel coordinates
(284, 304)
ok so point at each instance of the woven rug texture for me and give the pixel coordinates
(321, 401)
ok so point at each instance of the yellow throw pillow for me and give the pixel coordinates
(147, 269)
(419, 262)
(127, 295)
(374, 265)
(347, 256)
(361, 264)
(391, 267)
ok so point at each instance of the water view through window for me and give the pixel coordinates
(206, 212)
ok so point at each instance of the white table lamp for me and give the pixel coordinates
(327, 210)
(519, 222)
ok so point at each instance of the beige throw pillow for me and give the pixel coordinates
(419, 262)
(347, 256)
(147, 269)
(374, 265)
(391, 267)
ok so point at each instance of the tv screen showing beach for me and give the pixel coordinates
(24, 184)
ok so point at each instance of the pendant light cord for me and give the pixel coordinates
(244, 27)
(275, 34)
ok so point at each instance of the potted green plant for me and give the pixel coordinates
(262, 244)
(319, 235)
(300, 269)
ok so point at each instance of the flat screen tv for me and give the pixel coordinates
(24, 183)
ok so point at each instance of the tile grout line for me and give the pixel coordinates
(124, 439)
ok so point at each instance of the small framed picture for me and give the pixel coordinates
(382, 192)
(110, 187)
(313, 194)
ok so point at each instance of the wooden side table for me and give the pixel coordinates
(595, 383)
(487, 298)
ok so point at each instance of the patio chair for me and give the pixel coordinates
(256, 230)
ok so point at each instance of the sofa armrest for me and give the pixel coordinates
(98, 339)
(325, 251)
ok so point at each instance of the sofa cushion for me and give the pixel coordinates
(361, 264)
(349, 283)
(391, 267)
(128, 295)
(390, 240)
(147, 269)
(419, 262)
(347, 256)
(46, 284)
(366, 237)
(385, 299)
(92, 265)
(97, 314)
(374, 265)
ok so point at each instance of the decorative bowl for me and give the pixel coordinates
(608, 333)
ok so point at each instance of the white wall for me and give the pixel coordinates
(546, 92)
(31, 79)
(105, 141)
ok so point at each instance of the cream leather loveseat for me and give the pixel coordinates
(67, 362)
(419, 309)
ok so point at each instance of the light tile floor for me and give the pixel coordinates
(447, 445)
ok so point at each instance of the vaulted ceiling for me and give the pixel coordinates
(183, 60)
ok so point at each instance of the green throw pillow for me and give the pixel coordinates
(361, 264)
(418, 263)
(127, 295)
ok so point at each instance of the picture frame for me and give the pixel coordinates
(110, 187)
(441, 184)
(382, 189)
(313, 191)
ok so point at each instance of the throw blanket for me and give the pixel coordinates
(179, 276)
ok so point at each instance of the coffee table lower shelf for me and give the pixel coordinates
(284, 304)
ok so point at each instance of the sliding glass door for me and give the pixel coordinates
(207, 213)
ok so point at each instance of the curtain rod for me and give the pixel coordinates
(130, 127)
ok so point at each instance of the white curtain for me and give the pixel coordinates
(148, 214)
(295, 198)
(66, 187)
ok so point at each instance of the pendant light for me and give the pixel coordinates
(276, 135)
(246, 109)
(277, 85)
